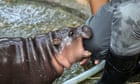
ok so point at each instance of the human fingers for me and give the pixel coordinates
(86, 56)
(87, 53)
(96, 61)
(83, 61)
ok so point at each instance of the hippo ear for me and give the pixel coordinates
(56, 41)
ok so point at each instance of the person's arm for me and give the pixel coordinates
(100, 40)
(96, 4)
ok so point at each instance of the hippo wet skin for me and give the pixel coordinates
(28, 60)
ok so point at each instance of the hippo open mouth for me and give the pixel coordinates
(28, 60)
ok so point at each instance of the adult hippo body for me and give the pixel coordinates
(28, 60)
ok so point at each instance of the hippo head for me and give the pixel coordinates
(63, 37)
(58, 42)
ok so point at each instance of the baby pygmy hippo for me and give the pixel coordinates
(40, 60)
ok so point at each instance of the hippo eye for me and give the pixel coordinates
(70, 33)
(56, 41)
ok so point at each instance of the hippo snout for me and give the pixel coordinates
(84, 31)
